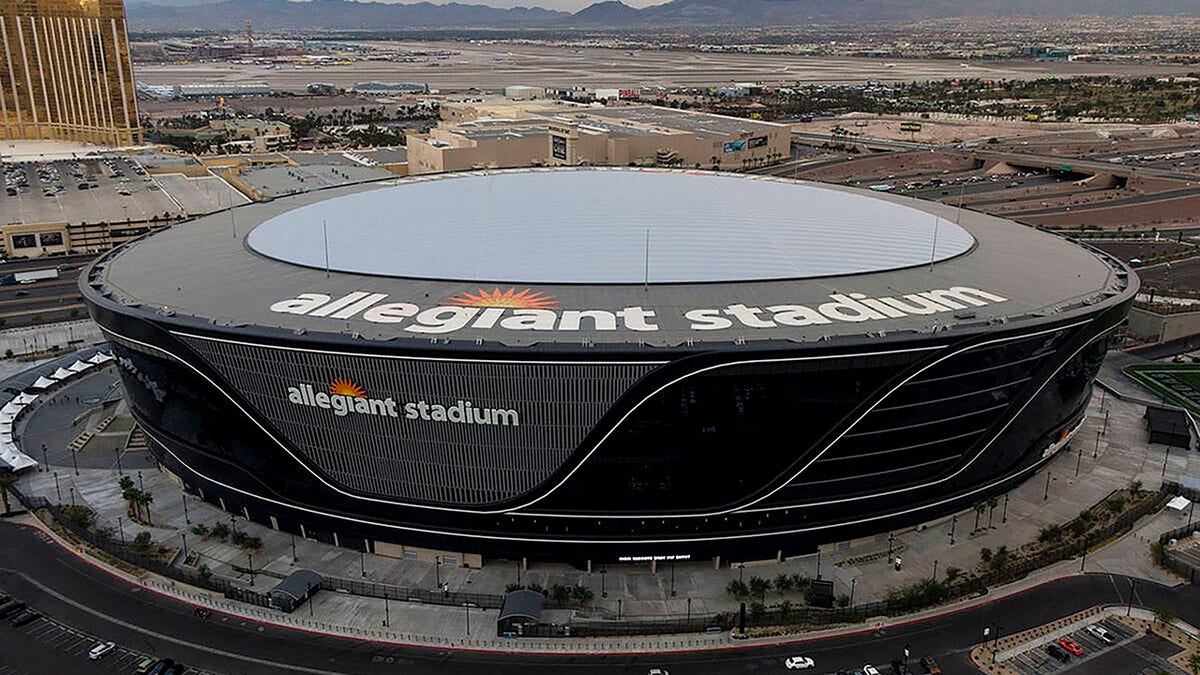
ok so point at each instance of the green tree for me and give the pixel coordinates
(784, 583)
(1000, 559)
(979, 507)
(1194, 663)
(737, 589)
(985, 555)
(142, 541)
(145, 499)
(992, 504)
(560, 595)
(582, 595)
(759, 587)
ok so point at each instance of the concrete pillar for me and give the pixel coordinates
(303, 534)
(524, 565)
(717, 563)
(779, 556)
(589, 567)
(335, 540)
(653, 566)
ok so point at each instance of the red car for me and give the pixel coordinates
(1070, 646)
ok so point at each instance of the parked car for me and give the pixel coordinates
(1070, 645)
(143, 667)
(870, 670)
(1100, 633)
(930, 665)
(162, 667)
(798, 663)
(22, 618)
(101, 650)
(1058, 653)
(10, 607)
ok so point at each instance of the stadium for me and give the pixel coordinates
(604, 364)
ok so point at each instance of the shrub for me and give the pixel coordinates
(1000, 558)
(560, 595)
(204, 572)
(200, 530)
(759, 586)
(1116, 504)
(785, 608)
(783, 583)
(252, 543)
(238, 537)
(582, 595)
(757, 611)
(737, 589)
(1050, 533)
(219, 531)
(79, 515)
(985, 555)
(843, 600)
(952, 573)
(537, 588)
(142, 541)
(514, 586)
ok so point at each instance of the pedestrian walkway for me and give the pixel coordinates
(1109, 451)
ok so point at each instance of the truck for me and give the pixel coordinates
(28, 277)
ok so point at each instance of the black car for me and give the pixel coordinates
(1058, 653)
(11, 607)
(22, 618)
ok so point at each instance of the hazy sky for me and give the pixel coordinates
(566, 5)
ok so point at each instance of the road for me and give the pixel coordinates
(60, 585)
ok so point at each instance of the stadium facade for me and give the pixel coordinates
(604, 364)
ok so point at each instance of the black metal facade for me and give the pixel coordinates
(742, 451)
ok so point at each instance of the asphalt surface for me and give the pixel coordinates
(58, 584)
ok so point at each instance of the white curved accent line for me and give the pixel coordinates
(465, 535)
(964, 467)
(389, 502)
(744, 507)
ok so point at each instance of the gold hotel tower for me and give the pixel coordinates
(66, 73)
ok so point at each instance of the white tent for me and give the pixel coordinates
(1179, 503)
(100, 357)
(43, 383)
(6, 427)
(14, 458)
(62, 374)
(79, 366)
(12, 409)
(25, 399)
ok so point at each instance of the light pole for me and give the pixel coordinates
(741, 571)
(1166, 457)
(294, 558)
(1096, 450)
(818, 563)
(603, 581)
(672, 580)
(953, 527)
(57, 489)
(1078, 460)
(74, 460)
(437, 570)
(186, 518)
(121, 529)
(387, 613)
(140, 480)
(119, 471)
(45, 460)
(1004, 514)
(1046, 493)
(310, 600)
(183, 535)
(72, 495)
(689, 611)
(467, 606)
(250, 562)
(935, 564)
(891, 540)
(853, 582)
(362, 560)
(1132, 585)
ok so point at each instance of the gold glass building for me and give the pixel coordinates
(67, 73)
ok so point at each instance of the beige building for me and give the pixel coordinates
(505, 135)
(34, 240)
(253, 135)
(66, 73)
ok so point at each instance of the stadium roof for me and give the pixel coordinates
(437, 263)
(609, 227)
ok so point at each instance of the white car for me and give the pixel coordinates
(1100, 633)
(100, 650)
(870, 670)
(659, 671)
(799, 663)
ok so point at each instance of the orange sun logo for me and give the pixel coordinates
(344, 387)
(524, 299)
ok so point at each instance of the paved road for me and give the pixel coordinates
(58, 584)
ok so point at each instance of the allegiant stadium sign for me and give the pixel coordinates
(528, 310)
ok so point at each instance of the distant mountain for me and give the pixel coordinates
(330, 15)
(174, 15)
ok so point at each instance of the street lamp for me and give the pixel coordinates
(672, 580)
(387, 613)
(187, 519)
(603, 582)
(1046, 493)
(74, 460)
(119, 471)
(1096, 450)
(45, 460)
(310, 600)
(853, 582)
(121, 528)
(57, 489)
(1079, 458)
(437, 569)
(953, 527)
(891, 541)
(183, 535)
(1004, 515)
(140, 480)
(294, 558)
(250, 561)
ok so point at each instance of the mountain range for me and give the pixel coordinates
(174, 15)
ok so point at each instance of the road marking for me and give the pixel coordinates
(168, 638)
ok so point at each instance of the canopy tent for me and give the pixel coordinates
(43, 383)
(12, 408)
(1179, 503)
(14, 458)
(80, 366)
(62, 374)
(25, 398)
(100, 357)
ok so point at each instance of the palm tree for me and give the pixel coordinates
(7, 481)
(992, 504)
(1194, 664)
(127, 493)
(146, 499)
(979, 509)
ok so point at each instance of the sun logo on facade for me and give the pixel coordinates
(344, 387)
(512, 298)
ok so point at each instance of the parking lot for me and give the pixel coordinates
(1127, 652)
(49, 634)
(117, 188)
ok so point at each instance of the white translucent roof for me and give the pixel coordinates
(595, 226)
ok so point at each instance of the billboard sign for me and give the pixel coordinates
(757, 142)
(735, 146)
(558, 147)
